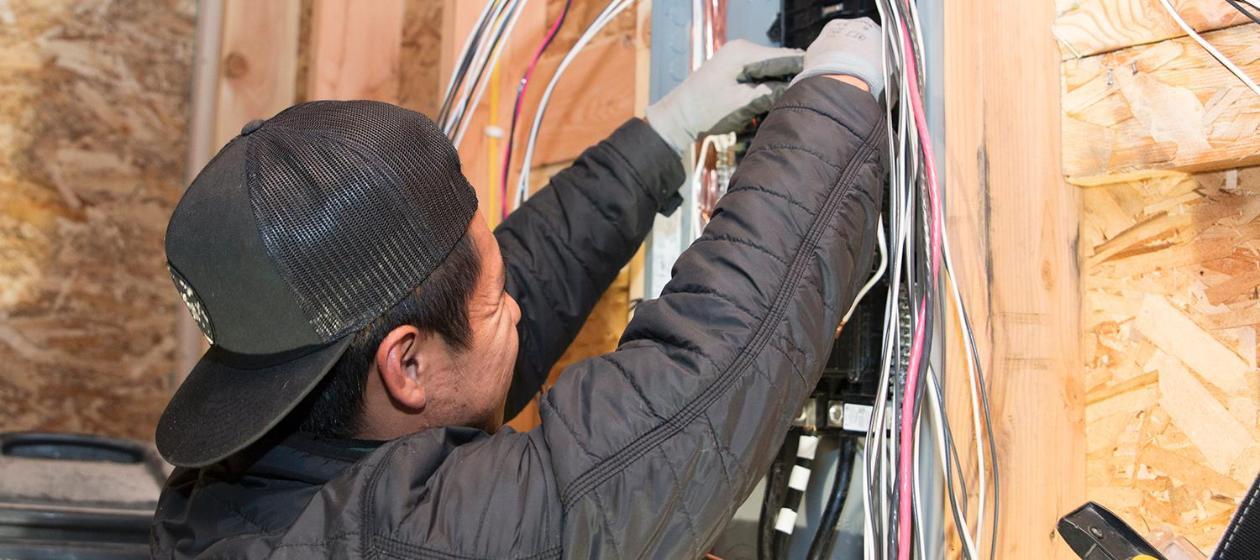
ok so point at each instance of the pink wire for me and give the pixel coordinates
(520, 100)
(906, 470)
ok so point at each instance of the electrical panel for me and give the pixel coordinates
(800, 21)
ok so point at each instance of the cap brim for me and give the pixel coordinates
(221, 409)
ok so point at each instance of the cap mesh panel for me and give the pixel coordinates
(357, 202)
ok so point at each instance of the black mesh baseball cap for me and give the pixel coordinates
(298, 233)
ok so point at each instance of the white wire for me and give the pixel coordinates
(972, 379)
(513, 17)
(461, 94)
(934, 385)
(610, 12)
(486, 48)
(879, 273)
(1221, 58)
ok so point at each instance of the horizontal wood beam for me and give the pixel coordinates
(1169, 105)
(1089, 27)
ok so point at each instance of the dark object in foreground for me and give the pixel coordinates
(1094, 533)
(76, 496)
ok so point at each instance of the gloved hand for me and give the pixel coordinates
(742, 79)
(852, 47)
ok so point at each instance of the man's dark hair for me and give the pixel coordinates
(440, 305)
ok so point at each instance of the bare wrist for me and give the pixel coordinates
(851, 80)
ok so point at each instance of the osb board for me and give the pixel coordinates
(93, 108)
(1169, 105)
(1089, 27)
(1169, 269)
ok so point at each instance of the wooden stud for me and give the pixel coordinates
(1013, 225)
(258, 66)
(354, 50)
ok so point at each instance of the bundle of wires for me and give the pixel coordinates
(894, 505)
(480, 54)
(609, 13)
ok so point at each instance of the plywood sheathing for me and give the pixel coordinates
(1170, 269)
(1168, 105)
(93, 109)
(1088, 27)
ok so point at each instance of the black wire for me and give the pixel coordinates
(988, 422)
(772, 501)
(459, 76)
(825, 537)
(1245, 11)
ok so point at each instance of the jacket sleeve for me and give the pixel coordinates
(647, 451)
(655, 445)
(566, 244)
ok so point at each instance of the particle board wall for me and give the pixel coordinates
(1169, 261)
(1170, 268)
(93, 108)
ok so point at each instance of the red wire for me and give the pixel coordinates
(906, 470)
(520, 100)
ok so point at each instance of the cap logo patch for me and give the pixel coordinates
(193, 303)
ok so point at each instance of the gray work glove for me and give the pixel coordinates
(742, 80)
(852, 47)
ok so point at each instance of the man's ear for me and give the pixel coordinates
(405, 360)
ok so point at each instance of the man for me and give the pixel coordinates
(369, 333)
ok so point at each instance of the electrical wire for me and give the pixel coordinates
(825, 537)
(512, 16)
(1246, 11)
(879, 273)
(520, 100)
(1221, 58)
(610, 12)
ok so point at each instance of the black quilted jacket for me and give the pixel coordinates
(644, 452)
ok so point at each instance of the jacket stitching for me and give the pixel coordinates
(323, 542)
(722, 450)
(682, 504)
(610, 465)
(565, 422)
(792, 148)
(756, 189)
(237, 511)
(703, 291)
(586, 270)
(634, 172)
(744, 242)
(634, 384)
(608, 530)
(651, 337)
(368, 544)
(413, 549)
(808, 109)
(589, 200)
